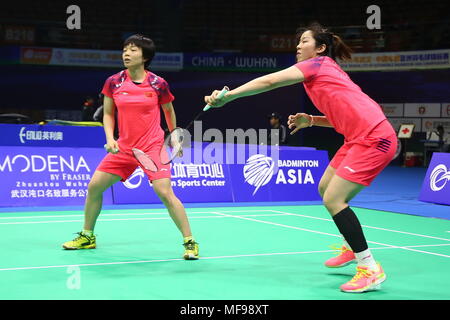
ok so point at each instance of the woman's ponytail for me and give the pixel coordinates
(340, 49)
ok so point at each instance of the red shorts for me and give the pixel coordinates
(362, 159)
(124, 164)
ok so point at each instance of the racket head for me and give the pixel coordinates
(145, 161)
(173, 145)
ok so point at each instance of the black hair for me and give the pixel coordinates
(335, 47)
(146, 44)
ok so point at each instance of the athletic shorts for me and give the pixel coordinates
(124, 164)
(362, 159)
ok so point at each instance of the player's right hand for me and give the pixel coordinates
(215, 102)
(112, 146)
(299, 121)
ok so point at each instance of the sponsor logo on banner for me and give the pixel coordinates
(38, 163)
(38, 135)
(432, 123)
(422, 110)
(47, 176)
(191, 182)
(392, 109)
(427, 59)
(439, 177)
(86, 57)
(445, 110)
(185, 175)
(111, 58)
(436, 183)
(51, 136)
(237, 61)
(32, 55)
(259, 170)
(167, 61)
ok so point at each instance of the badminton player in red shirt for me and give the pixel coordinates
(370, 140)
(137, 94)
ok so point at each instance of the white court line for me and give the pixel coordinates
(125, 214)
(330, 234)
(137, 219)
(202, 258)
(366, 226)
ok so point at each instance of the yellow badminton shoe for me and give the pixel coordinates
(191, 251)
(81, 242)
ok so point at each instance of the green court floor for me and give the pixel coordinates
(246, 253)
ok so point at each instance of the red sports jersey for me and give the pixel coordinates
(138, 108)
(350, 111)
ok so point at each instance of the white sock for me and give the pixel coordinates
(365, 258)
(88, 233)
(345, 243)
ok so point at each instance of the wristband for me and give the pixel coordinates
(311, 123)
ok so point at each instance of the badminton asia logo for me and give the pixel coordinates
(258, 171)
(439, 177)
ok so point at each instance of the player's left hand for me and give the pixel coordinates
(214, 102)
(299, 121)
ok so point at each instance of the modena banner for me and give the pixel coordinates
(46, 176)
(405, 60)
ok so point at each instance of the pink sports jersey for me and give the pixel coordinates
(138, 108)
(351, 112)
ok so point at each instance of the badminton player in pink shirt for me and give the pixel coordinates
(138, 95)
(370, 141)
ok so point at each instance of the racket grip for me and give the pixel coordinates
(219, 96)
(116, 150)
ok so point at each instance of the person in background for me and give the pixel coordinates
(280, 136)
(98, 114)
(442, 138)
(88, 109)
